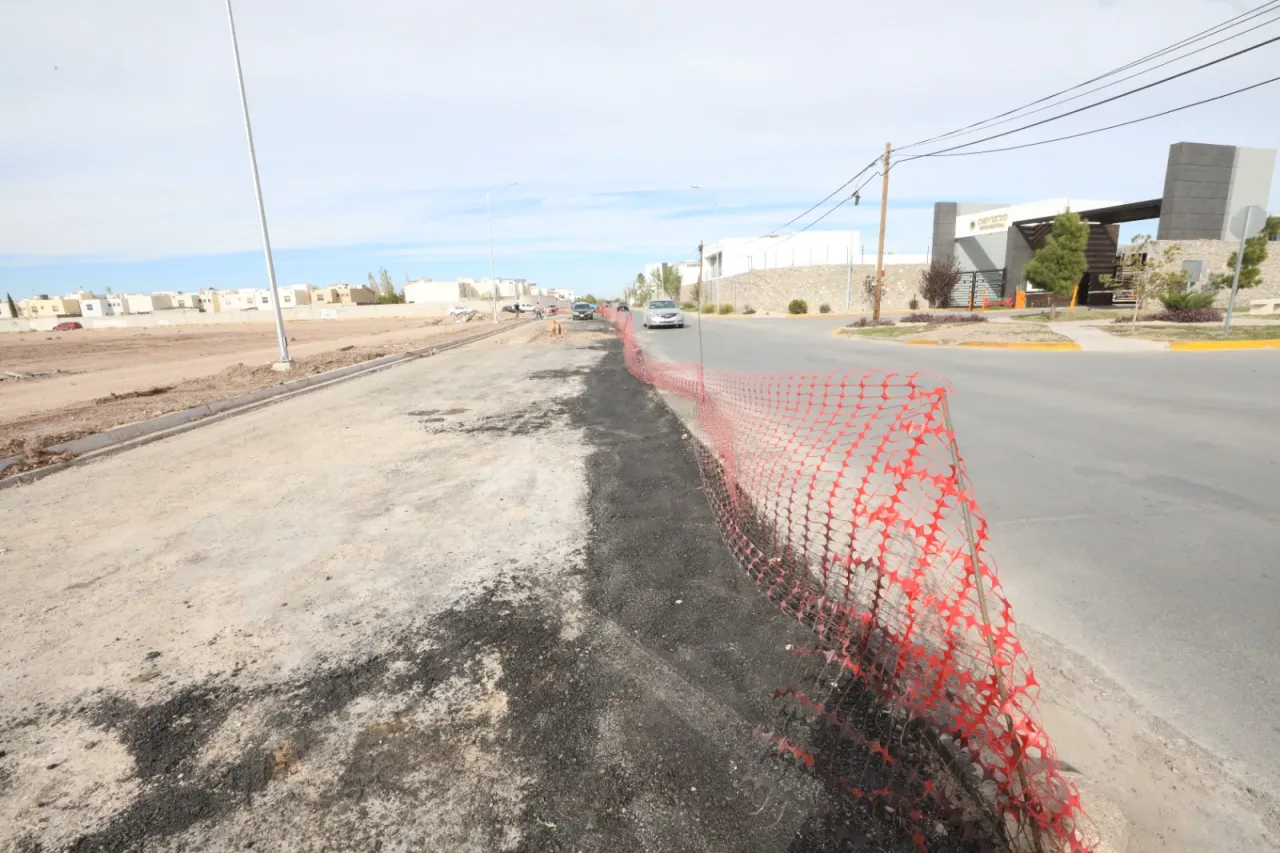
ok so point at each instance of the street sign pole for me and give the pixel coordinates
(1247, 222)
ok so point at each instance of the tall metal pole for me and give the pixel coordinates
(848, 285)
(1235, 282)
(884, 211)
(493, 276)
(281, 339)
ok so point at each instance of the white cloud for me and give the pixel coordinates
(376, 121)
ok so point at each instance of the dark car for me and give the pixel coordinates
(69, 326)
(622, 306)
(584, 311)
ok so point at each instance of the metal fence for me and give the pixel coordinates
(975, 286)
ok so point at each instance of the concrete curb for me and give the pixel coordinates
(1203, 346)
(173, 423)
(1065, 346)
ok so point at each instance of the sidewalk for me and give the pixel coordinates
(1092, 339)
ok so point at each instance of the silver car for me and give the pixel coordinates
(663, 312)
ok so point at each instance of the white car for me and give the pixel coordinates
(663, 312)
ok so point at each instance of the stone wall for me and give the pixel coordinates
(771, 290)
(1215, 254)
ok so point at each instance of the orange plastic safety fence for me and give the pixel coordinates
(845, 499)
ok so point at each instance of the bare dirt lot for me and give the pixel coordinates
(91, 380)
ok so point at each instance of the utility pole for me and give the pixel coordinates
(699, 279)
(285, 363)
(884, 211)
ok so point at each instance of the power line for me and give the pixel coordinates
(1211, 31)
(992, 123)
(1113, 98)
(950, 153)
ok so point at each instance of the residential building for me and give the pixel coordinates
(736, 255)
(426, 290)
(117, 304)
(190, 301)
(291, 296)
(147, 303)
(345, 294)
(61, 306)
(95, 307)
(7, 314)
(208, 301)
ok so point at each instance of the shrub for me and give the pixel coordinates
(748, 310)
(824, 308)
(1177, 301)
(726, 308)
(914, 304)
(938, 319)
(867, 322)
(1189, 315)
(689, 306)
(937, 282)
(797, 306)
(708, 309)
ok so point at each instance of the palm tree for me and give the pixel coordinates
(665, 279)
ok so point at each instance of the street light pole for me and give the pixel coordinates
(285, 362)
(493, 277)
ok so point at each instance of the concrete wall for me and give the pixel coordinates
(1197, 184)
(1250, 182)
(984, 252)
(771, 290)
(182, 317)
(1215, 253)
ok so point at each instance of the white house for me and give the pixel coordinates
(117, 304)
(147, 303)
(95, 307)
(189, 301)
(426, 290)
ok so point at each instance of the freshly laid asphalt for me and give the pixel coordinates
(1134, 504)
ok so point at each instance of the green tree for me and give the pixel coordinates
(666, 279)
(588, 298)
(1255, 252)
(1060, 264)
(640, 290)
(385, 288)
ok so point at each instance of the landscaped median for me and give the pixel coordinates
(971, 331)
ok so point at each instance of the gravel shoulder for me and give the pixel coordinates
(471, 603)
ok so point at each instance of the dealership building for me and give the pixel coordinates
(1204, 185)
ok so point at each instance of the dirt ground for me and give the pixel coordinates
(471, 603)
(990, 332)
(96, 379)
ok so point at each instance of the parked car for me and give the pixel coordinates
(622, 306)
(663, 312)
(69, 326)
(584, 311)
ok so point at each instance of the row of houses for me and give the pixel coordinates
(429, 290)
(86, 304)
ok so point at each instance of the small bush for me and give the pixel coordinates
(1176, 301)
(726, 308)
(824, 308)
(867, 323)
(938, 319)
(689, 306)
(708, 309)
(748, 310)
(797, 306)
(1189, 315)
(914, 304)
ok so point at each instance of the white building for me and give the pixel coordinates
(426, 290)
(291, 296)
(184, 300)
(96, 307)
(245, 299)
(117, 304)
(737, 255)
(147, 303)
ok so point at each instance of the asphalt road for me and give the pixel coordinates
(1134, 503)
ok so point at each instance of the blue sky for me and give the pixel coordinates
(380, 126)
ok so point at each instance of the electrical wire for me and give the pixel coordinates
(1243, 17)
(950, 153)
(1113, 98)
(984, 125)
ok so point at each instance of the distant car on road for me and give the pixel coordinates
(622, 306)
(584, 311)
(663, 312)
(69, 326)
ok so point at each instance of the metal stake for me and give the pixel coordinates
(1235, 282)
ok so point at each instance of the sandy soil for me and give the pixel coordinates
(99, 379)
(991, 332)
